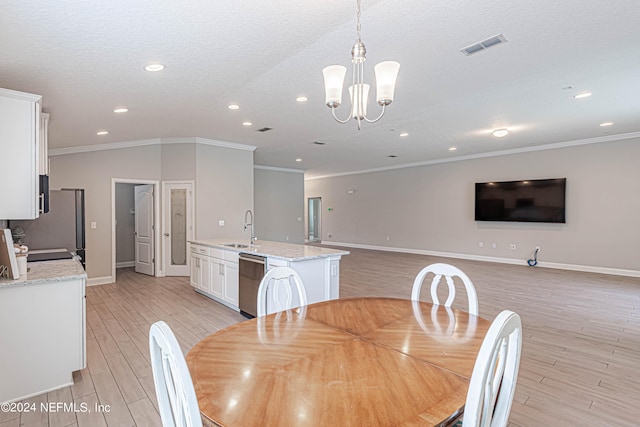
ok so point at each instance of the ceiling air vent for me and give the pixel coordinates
(484, 44)
(319, 143)
(264, 129)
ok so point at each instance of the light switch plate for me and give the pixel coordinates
(221, 223)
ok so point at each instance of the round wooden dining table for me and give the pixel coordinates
(344, 362)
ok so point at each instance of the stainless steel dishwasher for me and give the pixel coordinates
(251, 271)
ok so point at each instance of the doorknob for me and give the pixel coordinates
(166, 234)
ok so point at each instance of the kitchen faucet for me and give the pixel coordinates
(247, 224)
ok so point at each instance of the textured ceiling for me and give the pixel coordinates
(87, 57)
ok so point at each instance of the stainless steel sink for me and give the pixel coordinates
(236, 245)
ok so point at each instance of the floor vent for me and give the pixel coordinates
(484, 44)
(264, 129)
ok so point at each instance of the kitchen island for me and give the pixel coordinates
(215, 267)
(43, 336)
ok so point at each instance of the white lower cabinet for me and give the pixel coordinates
(231, 288)
(214, 273)
(43, 337)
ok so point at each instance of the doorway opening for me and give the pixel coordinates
(135, 211)
(314, 220)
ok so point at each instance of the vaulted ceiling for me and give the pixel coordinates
(87, 58)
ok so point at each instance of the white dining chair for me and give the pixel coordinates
(449, 272)
(275, 292)
(493, 381)
(177, 400)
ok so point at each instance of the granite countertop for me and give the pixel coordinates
(47, 272)
(286, 251)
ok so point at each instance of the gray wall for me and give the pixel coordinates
(125, 223)
(223, 180)
(431, 208)
(279, 205)
(224, 191)
(93, 171)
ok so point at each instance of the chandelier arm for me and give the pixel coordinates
(377, 118)
(333, 111)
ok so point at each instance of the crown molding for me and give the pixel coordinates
(553, 146)
(103, 147)
(273, 168)
(146, 142)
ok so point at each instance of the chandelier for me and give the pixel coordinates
(386, 73)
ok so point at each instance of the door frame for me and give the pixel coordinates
(319, 224)
(158, 270)
(166, 217)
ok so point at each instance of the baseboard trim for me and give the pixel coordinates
(125, 264)
(104, 280)
(543, 264)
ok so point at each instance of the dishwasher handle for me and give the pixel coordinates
(252, 258)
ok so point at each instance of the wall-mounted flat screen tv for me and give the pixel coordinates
(538, 200)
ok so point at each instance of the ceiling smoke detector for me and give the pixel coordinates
(484, 44)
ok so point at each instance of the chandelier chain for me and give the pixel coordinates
(358, 18)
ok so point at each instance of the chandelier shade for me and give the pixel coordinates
(359, 100)
(333, 82)
(386, 75)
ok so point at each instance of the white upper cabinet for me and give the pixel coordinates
(19, 154)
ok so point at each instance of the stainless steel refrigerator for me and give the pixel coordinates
(59, 233)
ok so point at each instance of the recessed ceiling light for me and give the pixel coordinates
(120, 110)
(154, 67)
(233, 106)
(102, 132)
(606, 124)
(247, 123)
(452, 148)
(298, 160)
(404, 134)
(499, 133)
(302, 99)
(582, 95)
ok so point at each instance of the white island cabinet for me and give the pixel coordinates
(214, 272)
(214, 267)
(43, 337)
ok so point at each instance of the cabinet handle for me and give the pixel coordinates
(166, 234)
(41, 203)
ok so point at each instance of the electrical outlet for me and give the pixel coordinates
(221, 223)
(93, 224)
(512, 246)
(538, 248)
(387, 238)
(481, 244)
(494, 245)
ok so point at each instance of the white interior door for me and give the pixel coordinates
(144, 229)
(178, 227)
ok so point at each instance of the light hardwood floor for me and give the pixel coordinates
(580, 352)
